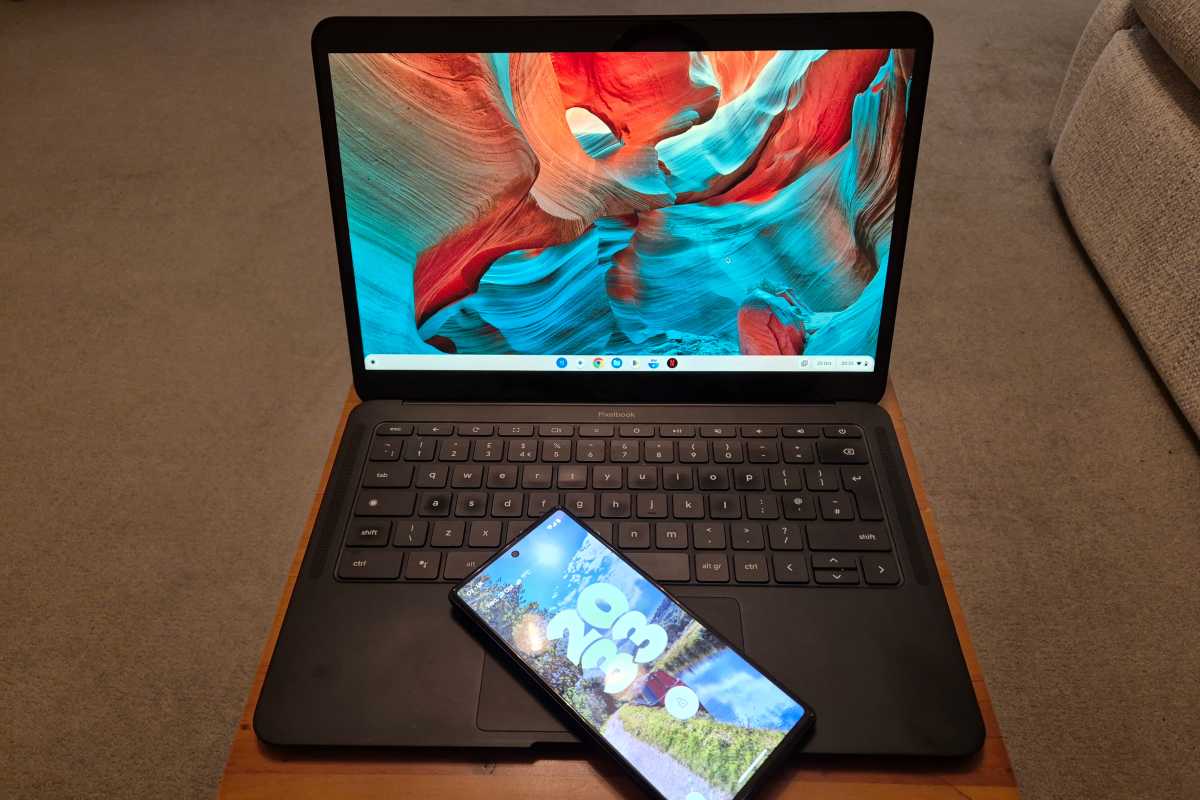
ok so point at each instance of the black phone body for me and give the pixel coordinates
(688, 714)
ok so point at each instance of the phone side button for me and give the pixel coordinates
(712, 568)
(663, 566)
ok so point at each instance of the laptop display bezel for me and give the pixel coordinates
(895, 30)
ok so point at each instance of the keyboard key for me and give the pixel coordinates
(727, 451)
(556, 450)
(880, 570)
(384, 449)
(433, 505)
(581, 504)
(432, 476)
(842, 431)
(717, 431)
(393, 476)
(820, 479)
(834, 561)
(836, 577)
(789, 568)
(784, 479)
(589, 451)
(614, 504)
(643, 478)
(519, 429)
(841, 452)
(651, 506)
(677, 431)
(394, 429)
(853, 537)
(467, 476)
(602, 528)
(447, 534)
(687, 506)
(633, 535)
(694, 451)
(750, 569)
(368, 533)
(606, 477)
(799, 431)
(749, 478)
(746, 536)
(422, 566)
(369, 565)
(595, 431)
(476, 429)
(419, 449)
(709, 535)
(785, 536)
(798, 452)
(660, 451)
(637, 431)
(507, 504)
(666, 567)
(762, 506)
(522, 449)
(556, 429)
(470, 504)
(434, 429)
(484, 534)
(537, 476)
(572, 477)
(502, 476)
(624, 450)
(837, 507)
(410, 533)
(861, 484)
(540, 503)
(487, 449)
(759, 431)
(675, 479)
(384, 503)
(461, 564)
(514, 529)
(724, 506)
(454, 450)
(714, 479)
(762, 453)
(798, 506)
(670, 536)
(712, 568)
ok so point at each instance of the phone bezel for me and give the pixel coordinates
(781, 750)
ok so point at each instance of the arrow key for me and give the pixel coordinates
(880, 570)
(790, 568)
(836, 577)
(842, 561)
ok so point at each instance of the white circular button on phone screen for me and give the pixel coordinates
(695, 796)
(681, 702)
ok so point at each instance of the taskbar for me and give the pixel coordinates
(618, 363)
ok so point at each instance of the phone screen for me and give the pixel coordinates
(678, 703)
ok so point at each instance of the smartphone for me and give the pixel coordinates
(688, 714)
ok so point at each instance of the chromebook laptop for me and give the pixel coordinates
(647, 269)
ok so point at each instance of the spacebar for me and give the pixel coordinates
(663, 566)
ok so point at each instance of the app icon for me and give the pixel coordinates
(598, 362)
(617, 362)
(681, 702)
(652, 363)
(562, 362)
(672, 363)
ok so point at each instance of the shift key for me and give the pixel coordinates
(848, 536)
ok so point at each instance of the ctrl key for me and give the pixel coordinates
(369, 565)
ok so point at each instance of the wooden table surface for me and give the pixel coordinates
(255, 770)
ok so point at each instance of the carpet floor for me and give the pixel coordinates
(173, 362)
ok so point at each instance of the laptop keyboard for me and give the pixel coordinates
(755, 505)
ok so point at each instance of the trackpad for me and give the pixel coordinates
(507, 703)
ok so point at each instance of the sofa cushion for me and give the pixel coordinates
(1176, 27)
(1127, 170)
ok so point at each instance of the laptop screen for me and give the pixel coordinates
(635, 211)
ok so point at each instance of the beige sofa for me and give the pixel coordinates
(1125, 138)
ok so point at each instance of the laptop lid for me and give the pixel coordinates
(650, 209)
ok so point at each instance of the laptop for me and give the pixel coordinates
(645, 268)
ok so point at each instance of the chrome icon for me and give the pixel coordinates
(598, 362)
